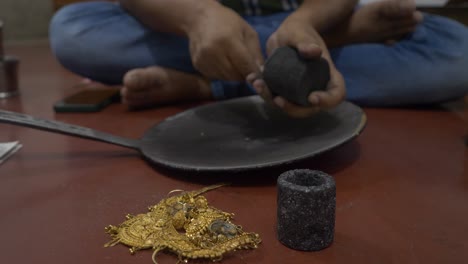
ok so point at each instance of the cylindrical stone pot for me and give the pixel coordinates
(306, 209)
(289, 75)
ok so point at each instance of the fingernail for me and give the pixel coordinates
(86, 81)
(250, 78)
(279, 102)
(418, 16)
(310, 50)
(314, 46)
(307, 45)
(406, 7)
(257, 86)
(123, 91)
(259, 65)
(314, 99)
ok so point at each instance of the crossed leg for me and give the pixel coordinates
(381, 21)
(155, 68)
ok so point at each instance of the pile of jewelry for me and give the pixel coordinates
(186, 225)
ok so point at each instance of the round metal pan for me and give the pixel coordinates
(233, 135)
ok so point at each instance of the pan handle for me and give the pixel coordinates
(66, 129)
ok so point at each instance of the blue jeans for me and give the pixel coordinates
(101, 41)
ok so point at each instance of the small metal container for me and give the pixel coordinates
(8, 77)
(1, 41)
(8, 71)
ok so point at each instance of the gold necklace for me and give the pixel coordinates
(186, 225)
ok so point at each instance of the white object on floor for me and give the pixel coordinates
(419, 3)
(7, 149)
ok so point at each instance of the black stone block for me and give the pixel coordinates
(289, 75)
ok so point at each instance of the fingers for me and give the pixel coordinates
(406, 22)
(293, 110)
(397, 29)
(309, 50)
(327, 99)
(320, 100)
(215, 66)
(238, 67)
(310, 46)
(252, 77)
(249, 57)
(232, 62)
(262, 89)
(242, 61)
(254, 47)
(272, 44)
(307, 45)
(260, 86)
(406, 7)
(334, 94)
(418, 16)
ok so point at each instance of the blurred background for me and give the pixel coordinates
(28, 20)
(25, 19)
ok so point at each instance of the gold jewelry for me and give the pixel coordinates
(186, 225)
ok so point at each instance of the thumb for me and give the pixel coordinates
(272, 44)
(253, 45)
(308, 49)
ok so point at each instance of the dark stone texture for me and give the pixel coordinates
(306, 209)
(289, 75)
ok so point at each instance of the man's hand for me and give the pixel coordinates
(297, 31)
(223, 46)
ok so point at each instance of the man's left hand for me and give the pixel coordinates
(297, 32)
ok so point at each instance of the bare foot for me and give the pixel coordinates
(382, 21)
(155, 85)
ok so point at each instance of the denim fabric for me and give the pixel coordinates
(101, 41)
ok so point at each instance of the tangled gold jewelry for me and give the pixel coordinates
(186, 225)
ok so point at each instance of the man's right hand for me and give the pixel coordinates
(222, 45)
